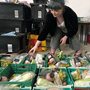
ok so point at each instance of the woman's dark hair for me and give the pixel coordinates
(55, 4)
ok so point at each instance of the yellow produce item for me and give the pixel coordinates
(62, 75)
(76, 75)
(52, 66)
(5, 62)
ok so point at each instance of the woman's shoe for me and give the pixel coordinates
(77, 53)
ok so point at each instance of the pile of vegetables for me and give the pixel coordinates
(19, 58)
(80, 61)
(81, 77)
(48, 77)
(19, 77)
(22, 77)
(57, 60)
(5, 61)
(36, 59)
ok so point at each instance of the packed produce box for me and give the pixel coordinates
(57, 60)
(53, 79)
(80, 61)
(18, 75)
(80, 77)
(5, 60)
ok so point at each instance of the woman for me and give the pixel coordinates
(62, 24)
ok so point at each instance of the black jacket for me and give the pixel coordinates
(71, 23)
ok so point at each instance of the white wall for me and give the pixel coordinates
(81, 7)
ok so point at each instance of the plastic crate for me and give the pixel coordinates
(53, 88)
(36, 26)
(19, 69)
(1, 69)
(38, 11)
(19, 26)
(13, 43)
(69, 85)
(81, 69)
(14, 11)
(27, 88)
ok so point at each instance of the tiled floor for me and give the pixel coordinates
(67, 50)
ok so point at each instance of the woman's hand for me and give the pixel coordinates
(33, 50)
(63, 40)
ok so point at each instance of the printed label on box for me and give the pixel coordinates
(16, 13)
(9, 47)
(17, 30)
(39, 14)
